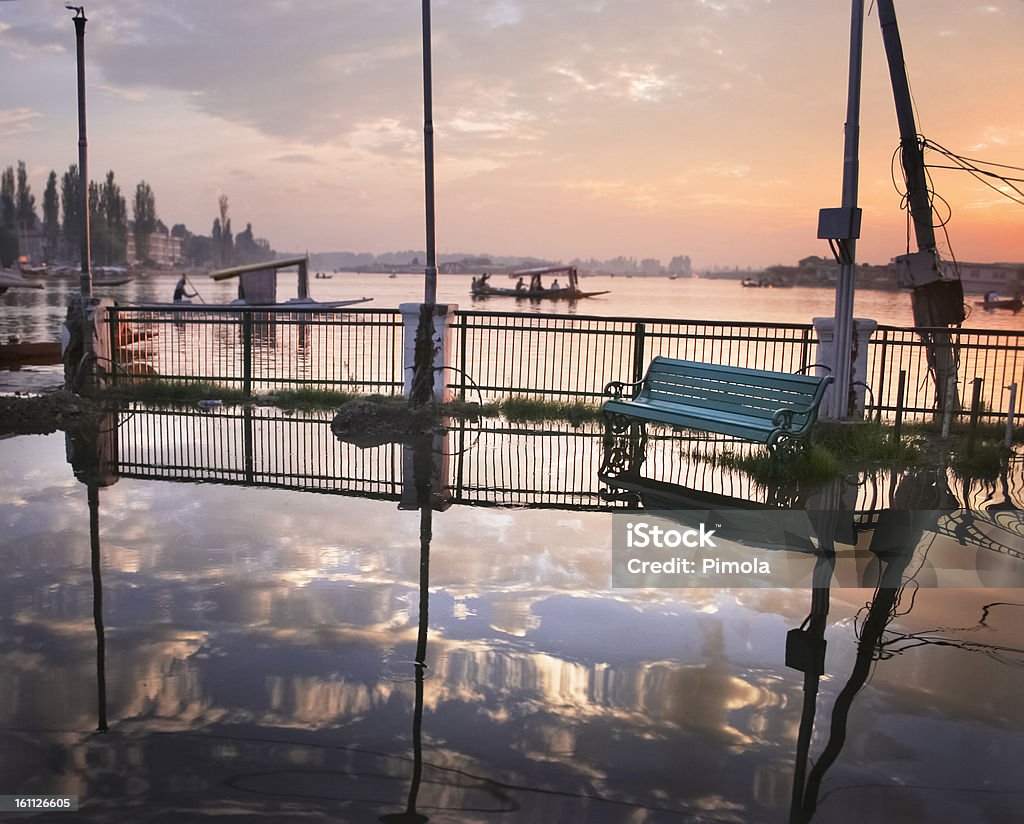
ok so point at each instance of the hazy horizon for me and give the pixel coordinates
(707, 128)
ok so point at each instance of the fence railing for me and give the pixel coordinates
(572, 357)
(495, 355)
(995, 357)
(256, 349)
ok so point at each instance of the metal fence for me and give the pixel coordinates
(997, 358)
(572, 357)
(260, 349)
(496, 355)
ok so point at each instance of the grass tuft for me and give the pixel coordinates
(522, 410)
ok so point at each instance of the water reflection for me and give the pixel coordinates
(279, 653)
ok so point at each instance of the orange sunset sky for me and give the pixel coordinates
(711, 128)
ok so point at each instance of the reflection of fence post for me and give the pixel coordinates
(247, 352)
(638, 354)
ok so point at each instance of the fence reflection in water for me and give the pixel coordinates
(487, 463)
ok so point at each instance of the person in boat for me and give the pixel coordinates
(520, 285)
(181, 291)
(991, 297)
(554, 284)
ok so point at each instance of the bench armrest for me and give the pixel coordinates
(614, 389)
(783, 418)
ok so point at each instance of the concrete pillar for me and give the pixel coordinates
(863, 329)
(444, 348)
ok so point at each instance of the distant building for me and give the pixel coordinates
(979, 278)
(164, 250)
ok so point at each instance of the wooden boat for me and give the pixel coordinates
(13, 280)
(536, 290)
(993, 301)
(18, 353)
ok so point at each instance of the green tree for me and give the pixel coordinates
(8, 247)
(27, 217)
(51, 217)
(226, 240)
(144, 208)
(115, 214)
(71, 211)
(8, 210)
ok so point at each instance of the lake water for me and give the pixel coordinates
(37, 315)
(273, 653)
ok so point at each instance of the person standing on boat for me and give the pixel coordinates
(180, 290)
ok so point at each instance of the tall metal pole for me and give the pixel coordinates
(843, 330)
(83, 161)
(430, 283)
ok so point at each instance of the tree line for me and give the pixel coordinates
(61, 225)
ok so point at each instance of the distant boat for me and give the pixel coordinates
(536, 290)
(111, 276)
(993, 301)
(13, 280)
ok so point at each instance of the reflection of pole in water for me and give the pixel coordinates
(915, 507)
(423, 457)
(97, 608)
(92, 451)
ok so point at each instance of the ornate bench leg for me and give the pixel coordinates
(786, 450)
(625, 446)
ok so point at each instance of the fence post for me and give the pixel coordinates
(115, 355)
(947, 410)
(463, 354)
(901, 394)
(639, 329)
(1010, 411)
(975, 411)
(247, 352)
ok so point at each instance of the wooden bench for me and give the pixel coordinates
(750, 404)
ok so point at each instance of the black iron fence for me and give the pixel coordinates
(260, 349)
(995, 357)
(495, 355)
(572, 357)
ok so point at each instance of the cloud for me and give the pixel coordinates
(295, 158)
(16, 121)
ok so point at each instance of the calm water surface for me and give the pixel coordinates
(258, 650)
(37, 315)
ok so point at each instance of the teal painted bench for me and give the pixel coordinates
(749, 404)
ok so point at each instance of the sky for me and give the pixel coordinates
(562, 128)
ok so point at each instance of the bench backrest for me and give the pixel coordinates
(733, 389)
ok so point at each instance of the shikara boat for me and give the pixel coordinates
(481, 288)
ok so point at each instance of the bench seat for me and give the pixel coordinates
(751, 404)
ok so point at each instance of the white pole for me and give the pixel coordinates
(843, 340)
